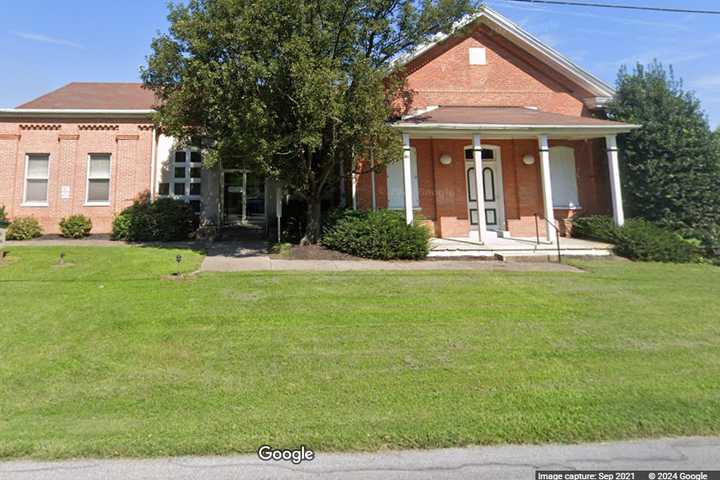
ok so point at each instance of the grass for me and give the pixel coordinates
(103, 357)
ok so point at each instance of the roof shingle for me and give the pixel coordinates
(95, 96)
(520, 116)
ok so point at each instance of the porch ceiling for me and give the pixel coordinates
(514, 122)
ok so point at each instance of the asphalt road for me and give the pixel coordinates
(496, 463)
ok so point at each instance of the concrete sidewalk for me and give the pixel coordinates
(253, 256)
(492, 463)
(264, 262)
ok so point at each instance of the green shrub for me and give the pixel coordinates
(642, 240)
(173, 220)
(595, 227)
(381, 235)
(164, 220)
(707, 240)
(24, 228)
(3, 217)
(75, 226)
(121, 226)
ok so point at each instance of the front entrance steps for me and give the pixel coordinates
(517, 249)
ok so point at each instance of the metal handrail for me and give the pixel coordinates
(557, 235)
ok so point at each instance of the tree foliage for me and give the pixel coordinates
(671, 167)
(291, 88)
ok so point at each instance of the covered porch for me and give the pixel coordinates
(538, 171)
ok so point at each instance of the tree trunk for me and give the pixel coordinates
(312, 231)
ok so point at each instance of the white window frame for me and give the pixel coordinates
(88, 203)
(477, 56)
(25, 202)
(565, 205)
(415, 182)
(188, 165)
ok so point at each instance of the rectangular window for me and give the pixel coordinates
(396, 184)
(563, 178)
(179, 172)
(196, 172)
(36, 179)
(164, 189)
(195, 157)
(180, 157)
(486, 154)
(478, 56)
(195, 189)
(179, 189)
(98, 186)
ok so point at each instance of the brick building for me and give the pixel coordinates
(488, 98)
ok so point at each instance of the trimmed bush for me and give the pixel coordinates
(24, 228)
(121, 226)
(174, 219)
(595, 227)
(75, 226)
(381, 235)
(163, 220)
(641, 240)
(3, 217)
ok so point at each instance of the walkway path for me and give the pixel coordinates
(252, 256)
(496, 463)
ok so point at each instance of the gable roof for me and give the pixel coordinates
(95, 96)
(523, 39)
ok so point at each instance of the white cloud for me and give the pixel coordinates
(38, 37)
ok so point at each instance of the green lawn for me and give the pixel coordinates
(103, 357)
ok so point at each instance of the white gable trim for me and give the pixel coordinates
(523, 39)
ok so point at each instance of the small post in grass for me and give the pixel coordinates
(178, 260)
(62, 258)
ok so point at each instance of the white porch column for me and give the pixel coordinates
(615, 186)
(480, 193)
(546, 186)
(354, 191)
(407, 178)
(372, 180)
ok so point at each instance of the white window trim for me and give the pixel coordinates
(25, 202)
(416, 191)
(188, 165)
(88, 203)
(571, 207)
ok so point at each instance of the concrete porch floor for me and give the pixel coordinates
(516, 247)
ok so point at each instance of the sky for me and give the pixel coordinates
(45, 44)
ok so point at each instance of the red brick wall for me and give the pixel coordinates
(69, 142)
(443, 191)
(511, 77)
(443, 76)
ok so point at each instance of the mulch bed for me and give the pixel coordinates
(313, 252)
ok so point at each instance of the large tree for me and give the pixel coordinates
(671, 169)
(292, 88)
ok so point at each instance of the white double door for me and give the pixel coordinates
(492, 193)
